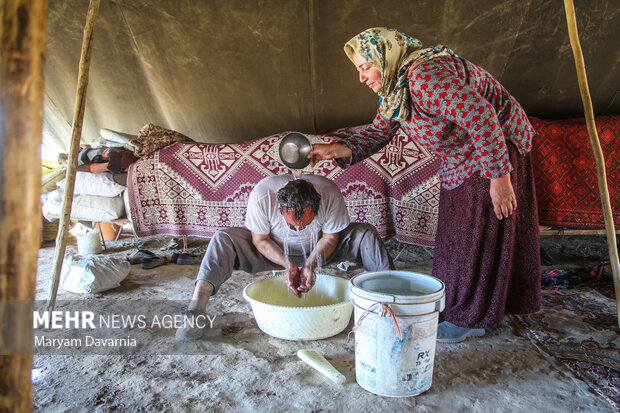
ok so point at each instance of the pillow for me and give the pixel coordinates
(85, 207)
(99, 184)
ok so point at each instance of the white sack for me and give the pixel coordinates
(92, 274)
(94, 183)
(85, 207)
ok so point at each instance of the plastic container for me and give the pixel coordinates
(89, 243)
(385, 364)
(109, 231)
(322, 312)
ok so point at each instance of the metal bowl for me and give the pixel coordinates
(294, 149)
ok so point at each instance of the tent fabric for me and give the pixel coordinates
(232, 70)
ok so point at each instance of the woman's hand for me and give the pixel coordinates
(503, 196)
(327, 151)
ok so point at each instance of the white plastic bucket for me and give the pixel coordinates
(89, 243)
(385, 364)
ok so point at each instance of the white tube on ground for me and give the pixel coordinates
(320, 363)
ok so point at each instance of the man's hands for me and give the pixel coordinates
(307, 279)
(292, 279)
(503, 196)
(299, 280)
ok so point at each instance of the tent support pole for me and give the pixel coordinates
(23, 30)
(596, 147)
(74, 150)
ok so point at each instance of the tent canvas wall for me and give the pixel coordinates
(229, 71)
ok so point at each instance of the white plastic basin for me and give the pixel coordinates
(321, 313)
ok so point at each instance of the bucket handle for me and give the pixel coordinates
(392, 297)
(386, 310)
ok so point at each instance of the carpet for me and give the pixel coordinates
(579, 328)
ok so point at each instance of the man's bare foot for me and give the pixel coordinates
(196, 320)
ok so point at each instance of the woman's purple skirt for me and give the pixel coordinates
(490, 267)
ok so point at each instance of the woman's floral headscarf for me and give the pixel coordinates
(393, 53)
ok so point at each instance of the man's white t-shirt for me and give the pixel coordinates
(264, 217)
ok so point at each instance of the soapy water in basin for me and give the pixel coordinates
(327, 290)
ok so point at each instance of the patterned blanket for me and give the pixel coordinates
(195, 189)
(565, 173)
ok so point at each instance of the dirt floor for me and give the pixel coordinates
(237, 367)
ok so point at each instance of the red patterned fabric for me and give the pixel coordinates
(565, 171)
(196, 189)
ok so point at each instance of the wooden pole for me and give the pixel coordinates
(23, 27)
(596, 147)
(74, 150)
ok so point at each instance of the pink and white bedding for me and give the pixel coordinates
(195, 189)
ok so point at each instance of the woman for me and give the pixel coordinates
(487, 241)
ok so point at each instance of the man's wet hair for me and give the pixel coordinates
(298, 195)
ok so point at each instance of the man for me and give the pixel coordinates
(291, 224)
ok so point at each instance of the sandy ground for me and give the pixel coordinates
(236, 367)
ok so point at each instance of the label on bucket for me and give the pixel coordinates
(388, 366)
